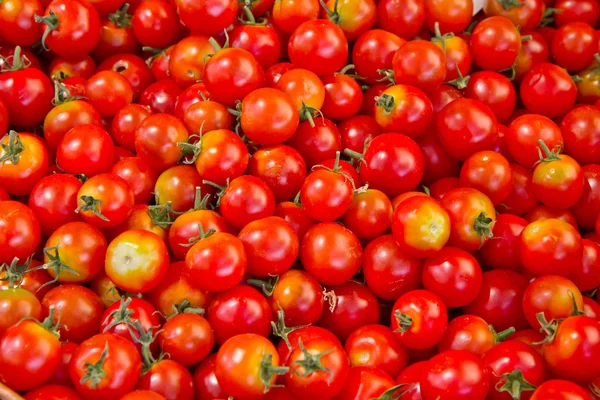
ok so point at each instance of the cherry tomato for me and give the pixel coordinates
(157, 140)
(524, 135)
(558, 389)
(547, 89)
(574, 45)
(452, 15)
(105, 200)
(207, 17)
(504, 251)
(25, 162)
(421, 64)
(108, 92)
(86, 150)
(404, 109)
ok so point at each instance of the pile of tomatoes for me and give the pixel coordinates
(299, 199)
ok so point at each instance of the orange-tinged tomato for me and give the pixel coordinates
(23, 162)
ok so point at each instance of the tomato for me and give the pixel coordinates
(290, 14)
(191, 95)
(574, 45)
(25, 367)
(471, 333)
(205, 116)
(19, 26)
(553, 295)
(374, 50)
(274, 73)
(524, 135)
(410, 378)
(516, 369)
(168, 378)
(268, 116)
(25, 91)
(108, 92)
(404, 109)
(187, 338)
(558, 389)
(504, 251)
(495, 91)
(331, 253)
(452, 15)
(157, 140)
(327, 194)
(421, 64)
(419, 319)
(262, 41)
(388, 271)
(271, 246)
(343, 96)
(247, 366)
(207, 17)
(105, 289)
(296, 216)
(72, 28)
(217, 262)
(366, 382)
(105, 200)
(305, 88)
(143, 395)
(186, 230)
(20, 232)
(547, 89)
(139, 175)
(156, 24)
(24, 162)
(571, 353)
(105, 366)
(369, 215)
(205, 381)
(17, 303)
(472, 218)
(117, 320)
(117, 33)
(231, 74)
(551, 247)
(132, 68)
(357, 131)
(52, 392)
(466, 126)
(67, 115)
(86, 150)
(354, 306)
(125, 122)
(179, 186)
(246, 199)
(490, 173)
(533, 51)
(438, 163)
(318, 368)
(222, 156)
(161, 96)
(137, 260)
(316, 143)
(281, 167)
(585, 276)
(186, 63)
(579, 130)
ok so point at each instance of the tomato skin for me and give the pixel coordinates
(170, 379)
(506, 357)
(495, 43)
(262, 41)
(246, 199)
(365, 383)
(316, 144)
(138, 175)
(504, 251)
(558, 389)
(216, 263)
(78, 31)
(374, 50)
(428, 73)
(52, 392)
(376, 346)
(108, 92)
(204, 115)
(388, 271)
(573, 350)
(466, 206)
(238, 366)
(19, 26)
(116, 196)
(16, 304)
(393, 164)
(558, 183)
(231, 74)
(125, 122)
(281, 167)
(466, 126)
(156, 139)
(30, 165)
(156, 24)
(81, 247)
(132, 68)
(454, 275)
(580, 132)
(331, 253)
(68, 115)
(524, 134)
(403, 18)
(369, 215)
(123, 366)
(276, 71)
(26, 107)
(355, 306)
(586, 275)
(553, 295)
(268, 116)
(228, 160)
(495, 91)
(455, 373)
(404, 109)
(78, 309)
(87, 150)
(188, 338)
(19, 231)
(143, 395)
(205, 381)
(534, 51)
(296, 216)
(271, 246)
(547, 89)
(161, 96)
(428, 319)
(185, 227)
(468, 333)
(207, 17)
(488, 172)
(326, 195)
(551, 247)
(452, 15)
(343, 96)
(574, 45)
(190, 96)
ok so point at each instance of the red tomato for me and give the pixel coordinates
(574, 45)
(452, 15)
(495, 91)
(547, 89)
(17, 304)
(524, 135)
(419, 319)
(404, 109)
(558, 389)
(504, 251)
(52, 392)
(20, 232)
(207, 17)
(586, 276)
(471, 333)
(105, 200)
(157, 140)
(25, 162)
(495, 43)
(205, 381)
(86, 150)
(156, 24)
(421, 64)
(168, 378)
(108, 92)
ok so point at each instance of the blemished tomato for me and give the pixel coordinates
(419, 319)
(105, 366)
(551, 247)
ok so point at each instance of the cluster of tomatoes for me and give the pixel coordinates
(299, 199)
